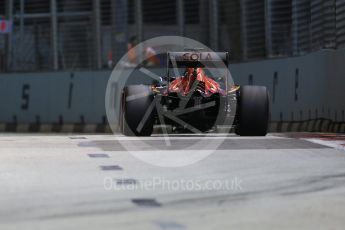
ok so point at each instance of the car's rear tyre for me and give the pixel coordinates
(136, 113)
(253, 111)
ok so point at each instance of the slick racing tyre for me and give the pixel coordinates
(136, 113)
(253, 108)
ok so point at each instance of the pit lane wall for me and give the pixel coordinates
(306, 91)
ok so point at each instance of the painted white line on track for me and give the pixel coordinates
(195, 137)
(340, 145)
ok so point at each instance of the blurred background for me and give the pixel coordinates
(57, 51)
(85, 34)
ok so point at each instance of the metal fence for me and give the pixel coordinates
(300, 26)
(340, 26)
(93, 34)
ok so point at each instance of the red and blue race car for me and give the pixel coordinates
(199, 100)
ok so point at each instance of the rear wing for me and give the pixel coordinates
(197, 59)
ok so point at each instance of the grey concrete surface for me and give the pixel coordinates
(90, 182)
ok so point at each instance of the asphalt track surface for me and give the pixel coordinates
(92, 182)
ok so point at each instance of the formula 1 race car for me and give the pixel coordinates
(195, 102)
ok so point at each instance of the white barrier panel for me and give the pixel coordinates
(300, 88)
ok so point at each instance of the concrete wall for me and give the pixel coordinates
(53, 95)
(306, 87)
(301, 88)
